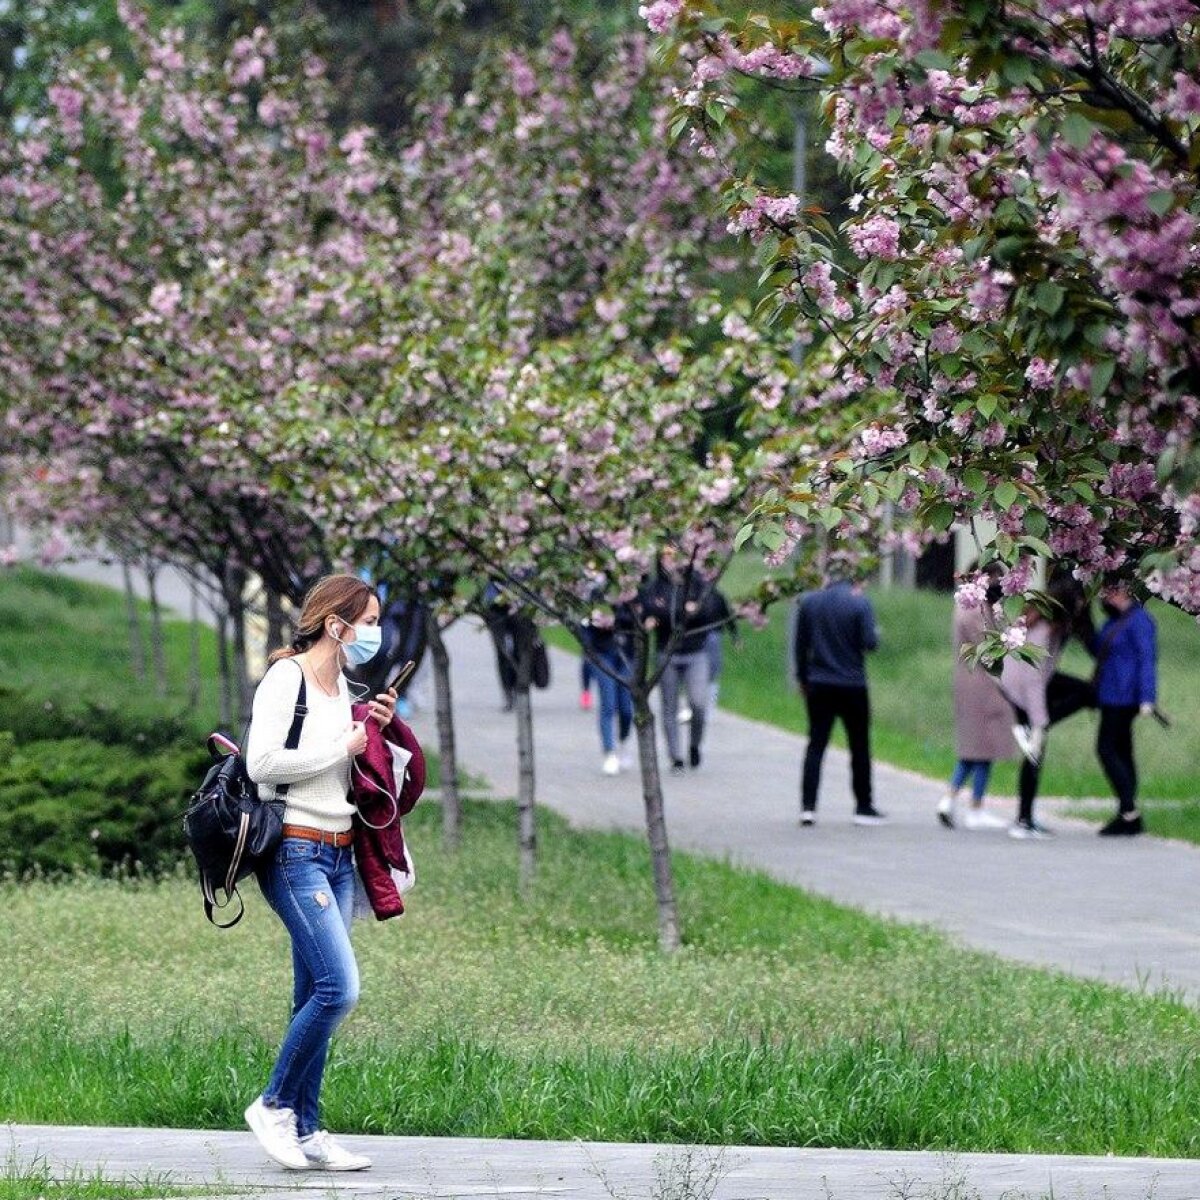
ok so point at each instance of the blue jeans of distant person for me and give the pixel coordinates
(311, 887)
(616, 704)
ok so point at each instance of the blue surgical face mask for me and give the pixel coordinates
(367, 640)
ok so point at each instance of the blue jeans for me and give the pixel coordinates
(615, 701)
(311, 887)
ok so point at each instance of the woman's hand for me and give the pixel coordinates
(383, 708)
(356, 738)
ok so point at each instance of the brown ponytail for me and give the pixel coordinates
(343, 596)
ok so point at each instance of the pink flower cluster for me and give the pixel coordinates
(876, 237)
(661, 14)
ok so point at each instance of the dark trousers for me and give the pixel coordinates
(1114, 748)
(827, 703)
(1065, 696)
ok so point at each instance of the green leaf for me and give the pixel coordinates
(1077, 130)
(1160, 202)
(975, 479)
(1102, 375)
(941, 515)
(1049, 297)
(1005, 495)
(743, 536)
(1017, 70)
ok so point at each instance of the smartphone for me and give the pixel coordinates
(401, 677)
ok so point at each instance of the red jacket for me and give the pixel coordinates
(378, 834)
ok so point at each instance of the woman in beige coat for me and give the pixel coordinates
(983, 721)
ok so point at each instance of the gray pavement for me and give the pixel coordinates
(222, 1163)
(1121, 910)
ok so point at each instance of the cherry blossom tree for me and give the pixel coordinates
(1012, 305)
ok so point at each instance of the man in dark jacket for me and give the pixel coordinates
(835, 628)
(682, 606)
(1126, 686)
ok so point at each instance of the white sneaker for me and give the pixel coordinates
(980, 818)
(946, 811)
(808, 817)
(275, 1129)
(625, 757)
(611, 765)
(1029, 831)
(324, 1154)
(1031, 741)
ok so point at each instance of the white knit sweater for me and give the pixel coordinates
(318, 770)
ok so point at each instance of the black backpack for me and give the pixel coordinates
(228, 827)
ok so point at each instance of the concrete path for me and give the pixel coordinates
(223, 1163)
(1119, 910)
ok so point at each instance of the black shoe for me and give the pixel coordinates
(694, 756)
(677, 766)
(869, 816)
(1121, 826)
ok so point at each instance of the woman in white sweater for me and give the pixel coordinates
(310, 882)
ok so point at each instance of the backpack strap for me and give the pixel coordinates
(293, 737)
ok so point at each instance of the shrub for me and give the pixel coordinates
(76, 803)
(32, 718)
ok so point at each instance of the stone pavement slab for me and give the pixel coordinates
(443, 1168)
(1121, 910)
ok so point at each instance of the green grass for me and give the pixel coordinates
(785, 1020)
(67, 642)
(38, 1181)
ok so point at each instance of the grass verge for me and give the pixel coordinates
(785, 1020)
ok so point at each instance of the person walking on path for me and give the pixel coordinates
(982, 721)
(310, 881)
(835, 628)
(605, 635)
(1126, 651)
(1041, 695)
(682, 607)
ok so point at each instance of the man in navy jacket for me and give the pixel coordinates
(835, 628)
(1126, 667)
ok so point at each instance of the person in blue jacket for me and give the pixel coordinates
(1126, 653)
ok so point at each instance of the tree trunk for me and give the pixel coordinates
(156, 630)
(526, 812)
(447, 754)
(137, 647)
(656, 824)
(235, 603)
(275, 620)
(524, 633)
(669, 937)
(193, 687)
(224, 669)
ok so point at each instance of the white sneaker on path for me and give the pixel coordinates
(325, 1154)
(611, 765)
(275, 1129)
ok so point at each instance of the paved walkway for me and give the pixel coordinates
(1119, 910)
(442, 1168)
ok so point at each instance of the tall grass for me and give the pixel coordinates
(785, 1020)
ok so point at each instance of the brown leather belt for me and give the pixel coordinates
(324, 836)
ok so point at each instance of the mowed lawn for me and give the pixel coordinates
(785, 1020)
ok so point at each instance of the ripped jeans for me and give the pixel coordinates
(311, 887)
